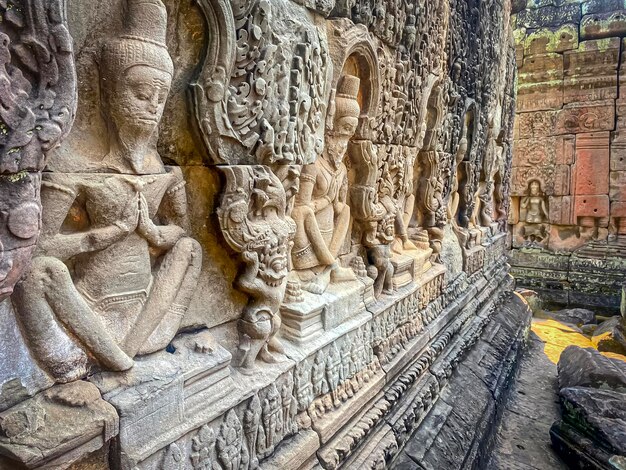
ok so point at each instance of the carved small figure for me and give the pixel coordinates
(251, 425)
(231, 450)
(534, 213)
(253, 220)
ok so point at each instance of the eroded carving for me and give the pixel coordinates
(38, 105)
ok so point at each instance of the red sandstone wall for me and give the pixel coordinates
(570, 132)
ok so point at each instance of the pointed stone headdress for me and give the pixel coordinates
(142, 41)
(346, 97)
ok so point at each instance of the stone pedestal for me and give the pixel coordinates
(56, 428)
(404, 270)
(306, 320)
(167, 394)
(409, 266)
(473, 259)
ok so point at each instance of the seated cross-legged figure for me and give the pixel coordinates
(115, 271)
(321, 212)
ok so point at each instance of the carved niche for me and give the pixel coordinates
(115, 271)
(261, 93)
(253, 220)
(37, 109)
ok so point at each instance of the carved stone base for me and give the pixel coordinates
(473, 259)
(57, 427)
(589, 277)
(403, 270)
(306, 320)
(409, 266)
(474, 392)
(166, 394)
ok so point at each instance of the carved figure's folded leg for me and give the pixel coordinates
(46, 299)
(169, 299)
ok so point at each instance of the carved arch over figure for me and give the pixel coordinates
(352, 47)
(209, 92)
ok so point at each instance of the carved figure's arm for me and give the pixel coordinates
(65, 246)
(307, 184)
(247, 281)
(159, 236)
(174, 206)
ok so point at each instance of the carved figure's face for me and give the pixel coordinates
(535, 188)
(337, 140)
(137, 104)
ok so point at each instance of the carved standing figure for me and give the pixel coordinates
(253, 220)
(95, 279)
(534, 213)
(321, 212)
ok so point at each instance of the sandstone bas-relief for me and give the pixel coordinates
(270, 235)
(566, 205)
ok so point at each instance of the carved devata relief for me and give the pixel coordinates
(38, 104)
(533, 213)
(114, 270)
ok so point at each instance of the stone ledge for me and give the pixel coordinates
(456, 432)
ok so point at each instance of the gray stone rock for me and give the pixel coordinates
(610, 337)
(595, 415)
(586, 367)
(535, 302)
(574, 316)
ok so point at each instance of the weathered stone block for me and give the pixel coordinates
(57, 427)
(617, 190)
(590, 71)
(561, 210)
(603, 25)
(536, 152)
(538, 124)
(591, 206)
(540, 96)
(586, 367)
(588, 117)
(601, 6)
(610, 336)
(557, 39)
(566, 152)
(549, 16)
(592, 164)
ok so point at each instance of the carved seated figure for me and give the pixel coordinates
(320, 211)
(115, 272)
(534, 213)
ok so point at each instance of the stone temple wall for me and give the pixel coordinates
(254, 233)
(568, 202)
